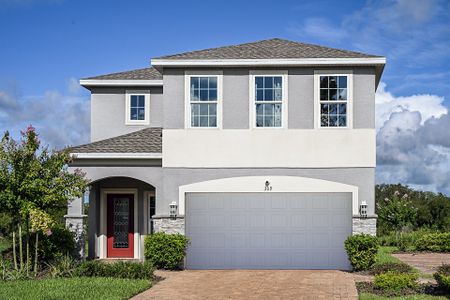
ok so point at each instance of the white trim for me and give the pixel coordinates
(118, 155)
(146, 95)
(187, 97)
(103, 221)
(120, 82)
(284, 101)
(270, 62)
(147, 195)
(256, 184)
(349, 75)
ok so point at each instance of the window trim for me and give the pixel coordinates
(349, 75)
(284, 98)
(187, 96)
(128, 94)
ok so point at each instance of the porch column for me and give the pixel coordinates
(74, 222)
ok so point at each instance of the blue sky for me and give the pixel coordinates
(48, 45)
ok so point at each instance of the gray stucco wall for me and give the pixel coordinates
(108, 111)
(300, 97)
(173, 98)
(234, 115)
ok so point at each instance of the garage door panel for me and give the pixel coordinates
(238, 240)
(257, 240)
(257, 221)
(298, 222)
(218, 220)
(267, 230)
(277, 220)
(277, 203)
(198, 220)
(320, 220)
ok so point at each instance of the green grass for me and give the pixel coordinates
(73, 288)
(367, 296)
(384, 255)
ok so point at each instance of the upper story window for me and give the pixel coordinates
(334, 100)
(203, 101)
(137, 108)
(269, 100)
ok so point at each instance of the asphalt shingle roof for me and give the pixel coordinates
(148, 140)
(269, 49)
(138, 74)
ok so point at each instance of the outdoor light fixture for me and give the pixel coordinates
(173, 209)
(363, 209)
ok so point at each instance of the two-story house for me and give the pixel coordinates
(263, 154)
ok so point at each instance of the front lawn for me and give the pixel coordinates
(384, 255)
(73, 288)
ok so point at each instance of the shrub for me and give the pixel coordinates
(392, 281)
(121, 269)
(8, 273)
(64, 266)
(436, 242)
(52, 247)
(166, 251)
(361, 250)
(391, 267)
(404, 240)
(442, 276)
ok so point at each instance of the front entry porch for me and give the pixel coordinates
(119, 217)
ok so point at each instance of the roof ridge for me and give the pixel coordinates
(220, 47)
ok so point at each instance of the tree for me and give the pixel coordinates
(396, 212)
(33, 182)
(433, 209)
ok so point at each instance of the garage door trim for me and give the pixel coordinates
(257, 184)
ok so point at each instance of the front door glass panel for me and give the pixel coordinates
(121, 222)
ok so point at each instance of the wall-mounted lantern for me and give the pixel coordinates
(363, 209)
(173, 209)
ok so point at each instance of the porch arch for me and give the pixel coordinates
(97, 217)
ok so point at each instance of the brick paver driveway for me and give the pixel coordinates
(253, 284)
(425, 262)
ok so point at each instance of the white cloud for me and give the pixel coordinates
(319, 28)
(61, 119)
(386, 103)
(73, 86)
(413, 141)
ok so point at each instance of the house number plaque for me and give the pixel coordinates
(267, 186)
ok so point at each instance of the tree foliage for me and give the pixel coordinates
(34, 182)
(432, 210)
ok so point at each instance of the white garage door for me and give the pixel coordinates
(268, 230)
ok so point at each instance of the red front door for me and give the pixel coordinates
(120, 225)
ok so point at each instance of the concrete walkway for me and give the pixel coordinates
(252, 284)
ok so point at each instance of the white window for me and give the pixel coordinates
(268, 99)
(137, 108)
(203, 100)
(333, 95)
